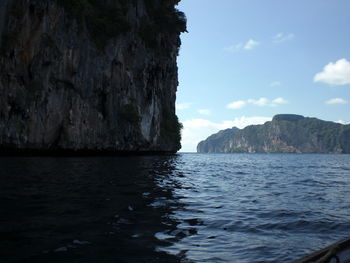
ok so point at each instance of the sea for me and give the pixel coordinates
(186, 207)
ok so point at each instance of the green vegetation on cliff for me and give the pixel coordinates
(285, 133)
(104, 21)
(165, 18)
(170, 128)
(108, 19)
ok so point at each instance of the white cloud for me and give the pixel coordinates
(182, 106)
(262, 102)
(342, 122)
(279, 101)
(275, 84)
(336, 101)
(234, 48)
(198, 123)
(249, 45)
(204, 111)
(242, 122)
(196, 130)
(236, 104)
(281, 37)
(335, 74)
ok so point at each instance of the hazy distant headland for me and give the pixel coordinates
(89, 76)
(286, 133)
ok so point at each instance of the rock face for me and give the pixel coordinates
(88, 75)
(286, 133)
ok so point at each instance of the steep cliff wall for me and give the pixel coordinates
(89, 75)
(286, 133)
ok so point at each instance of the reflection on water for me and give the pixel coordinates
(182, 208)
(86, 209)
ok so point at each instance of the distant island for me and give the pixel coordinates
(286, 133)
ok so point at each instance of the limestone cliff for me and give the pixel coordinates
(286, 133)
(89, 75)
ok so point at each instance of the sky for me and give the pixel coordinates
(244, 61)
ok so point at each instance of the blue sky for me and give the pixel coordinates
(243, 61)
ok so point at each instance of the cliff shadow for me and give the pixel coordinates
(95, 209)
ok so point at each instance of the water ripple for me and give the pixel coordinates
(262, 208)
(184, 208)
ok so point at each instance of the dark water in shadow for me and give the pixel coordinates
(181, 208)
(85, 209)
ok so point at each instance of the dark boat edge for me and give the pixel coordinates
(325, 255)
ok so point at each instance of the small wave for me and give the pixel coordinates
(241, 173)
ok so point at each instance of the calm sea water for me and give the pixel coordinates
(180, 208)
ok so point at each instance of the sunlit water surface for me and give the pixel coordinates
(180, 208)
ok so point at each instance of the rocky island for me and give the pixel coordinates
(89, 76)
(286, 133)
